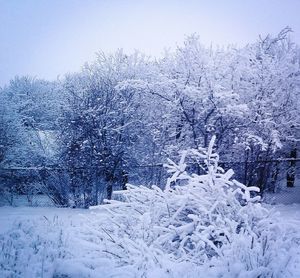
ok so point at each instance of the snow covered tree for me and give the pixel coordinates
(190, 97)
(32, 106)
(100, 126)
(269, 85)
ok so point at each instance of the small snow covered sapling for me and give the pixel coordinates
(210, 207)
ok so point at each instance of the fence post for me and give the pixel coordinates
(290, 176)
(246, 167)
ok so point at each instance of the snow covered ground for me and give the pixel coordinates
(52, 242)
(285, 196)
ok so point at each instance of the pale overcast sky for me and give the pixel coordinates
(47, 38)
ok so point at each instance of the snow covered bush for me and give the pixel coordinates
(208, 222)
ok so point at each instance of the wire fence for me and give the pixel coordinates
(279, 181)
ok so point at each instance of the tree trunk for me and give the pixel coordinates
(109, 189)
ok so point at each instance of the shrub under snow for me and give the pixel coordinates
(198, 223)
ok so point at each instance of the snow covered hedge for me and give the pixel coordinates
(208, 223)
